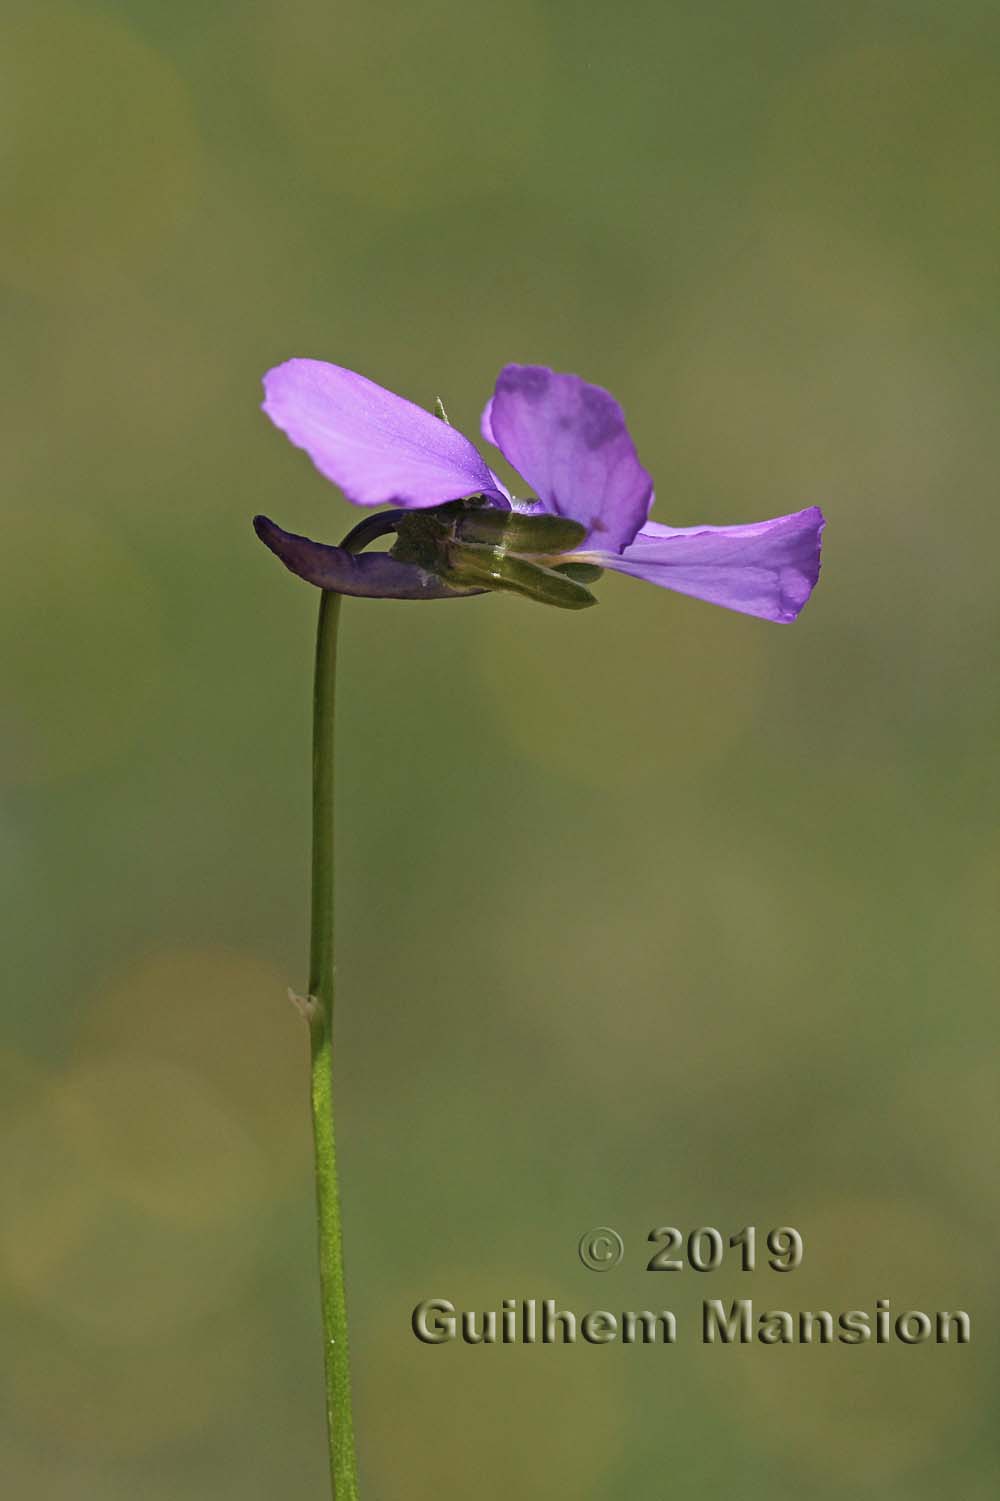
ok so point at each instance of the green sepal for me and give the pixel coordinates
(516, 531)
(470, 564)
(421, 537)
(584, 573)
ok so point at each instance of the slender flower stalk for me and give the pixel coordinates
(319, 1012)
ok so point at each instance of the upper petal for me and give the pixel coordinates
(569, 441)
(376, 446)
(766, 569)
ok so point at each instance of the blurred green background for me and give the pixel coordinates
(652, 915)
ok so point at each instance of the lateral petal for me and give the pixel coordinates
(570, 442)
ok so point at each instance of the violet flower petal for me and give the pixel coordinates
(766, 569)
(377, 447)
(370, 575)
(486, 424)
(569, 441)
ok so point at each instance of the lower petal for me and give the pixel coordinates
(370, 575)
(767, 569)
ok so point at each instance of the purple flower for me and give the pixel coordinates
(460, 532)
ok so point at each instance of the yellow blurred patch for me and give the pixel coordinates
(860, 1414)
(116, 1403)
(223, 1018)
(134, 1201)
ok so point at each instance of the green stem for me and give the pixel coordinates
(340, 1420)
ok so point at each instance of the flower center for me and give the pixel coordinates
(473, 544)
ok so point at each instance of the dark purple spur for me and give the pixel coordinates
(459, 531)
